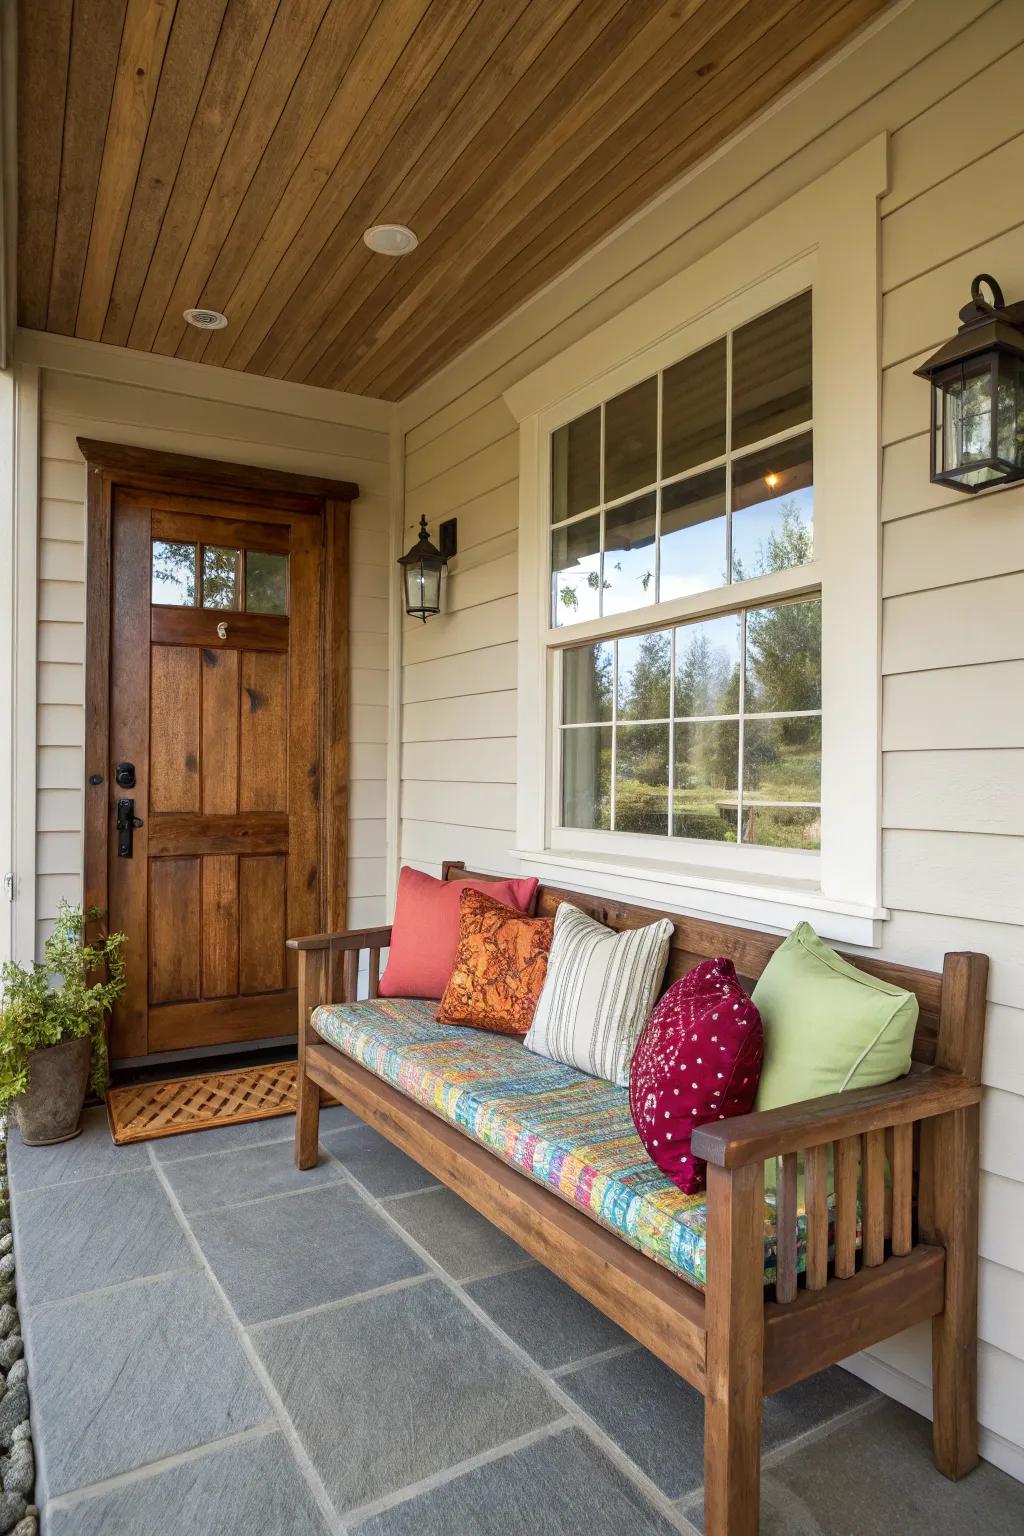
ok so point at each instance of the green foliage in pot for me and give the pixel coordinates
(66, 997)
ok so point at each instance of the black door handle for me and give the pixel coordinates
(127, 821)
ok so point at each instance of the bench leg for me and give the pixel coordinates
(954, 1219)
(735, 1351)
(313, 981)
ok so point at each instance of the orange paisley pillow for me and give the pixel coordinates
(500, 966)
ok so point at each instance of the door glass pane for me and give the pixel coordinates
(782, 759)
(693, 410)
(631, 440)
(266, 582)
(576, 466)
(220, 577)
(586, 777)
(645, 675)
(629, 555)
(174, 574)
(771, 372)
(587, 683)
(708, 667)
(707, 764)
(576, 571)
(693, 557)
(641, 779)
(783, 663)
(773, 509)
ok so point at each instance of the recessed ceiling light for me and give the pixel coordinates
(391, 239)
(206, 319)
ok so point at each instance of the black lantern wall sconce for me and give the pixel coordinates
(977, 380)
(421, 575)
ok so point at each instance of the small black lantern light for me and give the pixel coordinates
(977, 380)
(421, 572)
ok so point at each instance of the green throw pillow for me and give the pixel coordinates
(827, 1025)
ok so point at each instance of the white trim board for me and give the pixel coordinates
(149, 370)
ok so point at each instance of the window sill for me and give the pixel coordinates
(752, 901)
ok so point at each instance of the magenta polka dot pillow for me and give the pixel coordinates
(698, 1059)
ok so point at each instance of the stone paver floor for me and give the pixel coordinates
(218, 1345)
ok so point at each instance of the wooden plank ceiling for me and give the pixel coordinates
(230, 154)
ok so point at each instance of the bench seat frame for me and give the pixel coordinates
(738, 1340)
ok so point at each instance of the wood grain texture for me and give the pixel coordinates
(231, 153)
(218, 758)
(220, 926)
(221, 1021)
(174, 930)
(263, 765)
(174, 728)
(261, 923)
(786, 1196)
(816, 1201)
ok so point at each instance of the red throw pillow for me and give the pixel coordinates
(698, 1059)
(425, 931)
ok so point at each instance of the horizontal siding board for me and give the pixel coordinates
(367, 800)
(474, 629)
(59, 768)
(485, 583)
(968, 540)
(964, 124)
(1001, 1308)
(59, 810)
(366, 911)
(490, 424)
(368, 649)
(366, 837)
(1002, 1133)
(449, 677)
(492, 466)
(967, 791)
(922, 938)
(59, 853)
(965, 208)
(62, 640)
(367, 760)
(980, 621)
(366, 877)
(60, 683)
(429, 843)
(922, 313)
(956, 874)
(1004, 1051)
(1001, 1236)
(62, 600)
(368, 686)
(368, 614)
(478, 805)
(491, 760)
(52, 889)
(455, 720)
(62, 520)
(368, 722)
(976, 706)
(60, 725)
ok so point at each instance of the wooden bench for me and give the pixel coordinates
(739, 1340)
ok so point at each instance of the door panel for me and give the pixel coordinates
(174, 930)
(219, 753)
(261, 924)
(174, 704)
(218, 707)
(263, 764)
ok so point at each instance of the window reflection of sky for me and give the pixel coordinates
(752, 527)
(693, 559)
(629, 578)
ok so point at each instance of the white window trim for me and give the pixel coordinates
(825, 236)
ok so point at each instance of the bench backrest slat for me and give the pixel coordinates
(697, 939)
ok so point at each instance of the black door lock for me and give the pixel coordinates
(127, 821)
(124, 775)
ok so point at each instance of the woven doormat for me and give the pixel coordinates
(147, 1111)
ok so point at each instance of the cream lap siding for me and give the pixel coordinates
(942, 77)
(73, 406)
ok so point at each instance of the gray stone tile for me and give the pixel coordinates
(397, 1387)
(278, 1256)
(875, 1476)
(545, 1317)
(658, 1419)
(559, 1486)
(242, 1490)
(380, 1167)
(82, 1235)
(459, 1238)
(254, 1133)
(248, 1173)
(88, 1155)
(128, 1376)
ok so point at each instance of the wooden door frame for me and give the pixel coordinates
(111, 466)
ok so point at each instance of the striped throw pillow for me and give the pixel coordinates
(599, 989)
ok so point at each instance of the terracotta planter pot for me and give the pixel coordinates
(50, 1109)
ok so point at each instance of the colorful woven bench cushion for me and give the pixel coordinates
(570, 1132)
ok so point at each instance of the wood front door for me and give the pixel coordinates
(215, 849)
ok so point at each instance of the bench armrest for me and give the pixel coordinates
(745, 1139)
(348, 938)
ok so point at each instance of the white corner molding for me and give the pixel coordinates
(825, 237)
(177, 375)
(396, 628)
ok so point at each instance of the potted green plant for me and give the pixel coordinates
(52, 1034)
